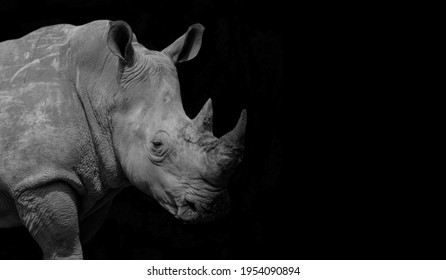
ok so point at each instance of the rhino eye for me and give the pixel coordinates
(157, 144)
(159, 147)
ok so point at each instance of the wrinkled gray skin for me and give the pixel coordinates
(86, 111)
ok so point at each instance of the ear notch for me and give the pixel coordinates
(187, 46)
(119, 41)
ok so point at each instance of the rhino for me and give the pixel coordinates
(86, 111)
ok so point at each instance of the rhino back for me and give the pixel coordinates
(39, 55)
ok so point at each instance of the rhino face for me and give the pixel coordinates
(175, 160)
(187, 167)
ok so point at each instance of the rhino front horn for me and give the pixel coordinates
(203, 121)
(237, 135)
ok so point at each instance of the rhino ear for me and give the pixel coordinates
(187, 46)
(119, 40)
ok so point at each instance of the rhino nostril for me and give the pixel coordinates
(191, 205)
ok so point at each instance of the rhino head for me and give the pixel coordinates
(172, 158)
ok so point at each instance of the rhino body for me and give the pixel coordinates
(86, 111)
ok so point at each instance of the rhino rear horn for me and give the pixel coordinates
(203, 120)
(237, 135)
(119, 41)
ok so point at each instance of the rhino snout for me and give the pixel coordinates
(194, 210)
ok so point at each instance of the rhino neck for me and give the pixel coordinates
(101, 134)
(93, 75)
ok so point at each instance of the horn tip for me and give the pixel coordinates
(241, 125)
(209, 102)
(208, 107)
(244, 113)
(244, 116)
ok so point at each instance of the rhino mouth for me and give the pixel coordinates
(194, 211)
(191, 206)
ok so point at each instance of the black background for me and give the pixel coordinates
(332, 168)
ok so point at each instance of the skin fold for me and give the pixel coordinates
(86, 111)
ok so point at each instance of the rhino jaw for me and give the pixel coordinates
(193, 211)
